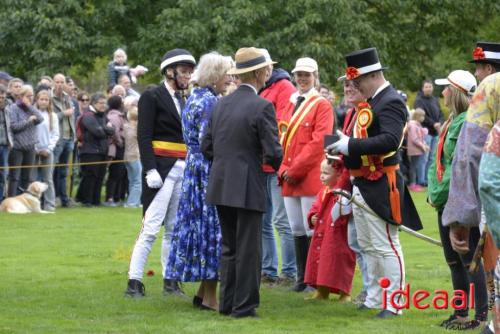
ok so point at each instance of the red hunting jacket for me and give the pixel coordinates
(303, 143)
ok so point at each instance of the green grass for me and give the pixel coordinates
(66, 273)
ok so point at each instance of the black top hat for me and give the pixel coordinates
(176, 57)
(362, 62)
(486, 53)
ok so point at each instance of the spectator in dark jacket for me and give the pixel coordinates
(23, 120)
(5, 137)
(117, 174)
(96, 131)
(432, 122)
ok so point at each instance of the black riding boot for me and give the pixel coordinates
(301, 250)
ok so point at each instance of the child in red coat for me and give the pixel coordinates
(330, 262)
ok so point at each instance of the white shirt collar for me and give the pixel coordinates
(381, 88)
(306, 95)
(171, 91)
(248, 85)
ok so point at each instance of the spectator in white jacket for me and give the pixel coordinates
(48, 135)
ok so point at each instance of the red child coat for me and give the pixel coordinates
(330, 262)
(303, 154)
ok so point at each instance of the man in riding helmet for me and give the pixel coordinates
(162, 151)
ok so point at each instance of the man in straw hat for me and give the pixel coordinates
(370, 155)
(242, 135)
(162, 148)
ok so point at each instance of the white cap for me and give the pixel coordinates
(463, 80)
(305, 65)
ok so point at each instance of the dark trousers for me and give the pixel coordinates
(459, 267)
(4, 162)
(62, 153)
(89, 191)
(241, 257)
(20, 177)
(117, 176)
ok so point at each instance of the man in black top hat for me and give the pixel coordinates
(162, 150)
(370, 155)
(486, 56)
(241, 136)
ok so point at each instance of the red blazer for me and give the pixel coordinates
(303, 156)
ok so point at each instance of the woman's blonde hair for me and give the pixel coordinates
(417, 113)
(212, 68)
(118, 52)
(459, 101)
(132, 114)
(25, 89)
(49, 108)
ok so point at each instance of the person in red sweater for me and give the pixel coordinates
(277, 90)
(330, 262)
(303, 126)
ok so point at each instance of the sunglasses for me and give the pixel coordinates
(85, 100)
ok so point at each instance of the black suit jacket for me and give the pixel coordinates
(242, 134)
(158, 120)
(384, 136)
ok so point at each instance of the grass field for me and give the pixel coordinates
(66, 273)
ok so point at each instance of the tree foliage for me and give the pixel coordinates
(416, 39)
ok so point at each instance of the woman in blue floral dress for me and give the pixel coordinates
(196, 241)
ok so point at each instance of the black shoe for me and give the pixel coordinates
(248, 314)
(465, 326)
(298, 287)
(363, 307)
(268, 279)
(135, 289)
(385, 314)
(197, 301)
(171, 287)
(451, 318)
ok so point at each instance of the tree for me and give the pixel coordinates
(416, 39)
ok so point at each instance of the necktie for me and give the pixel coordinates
(300, 99)
(179, 98)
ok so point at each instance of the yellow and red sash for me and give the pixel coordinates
(288, 130)
(169, 149)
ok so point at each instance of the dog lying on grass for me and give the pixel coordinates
(27, 202)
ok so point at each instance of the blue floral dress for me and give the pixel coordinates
(196, 241)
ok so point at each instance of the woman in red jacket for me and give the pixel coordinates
(307, 119)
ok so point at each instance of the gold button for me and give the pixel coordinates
(372, 168)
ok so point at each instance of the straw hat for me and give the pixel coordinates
(248, 60)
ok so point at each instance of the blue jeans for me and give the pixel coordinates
(276, 215)
(425, 163)
(62, 152)
(352, 240)
(4, 161)
(134, 171)
(416, 168)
